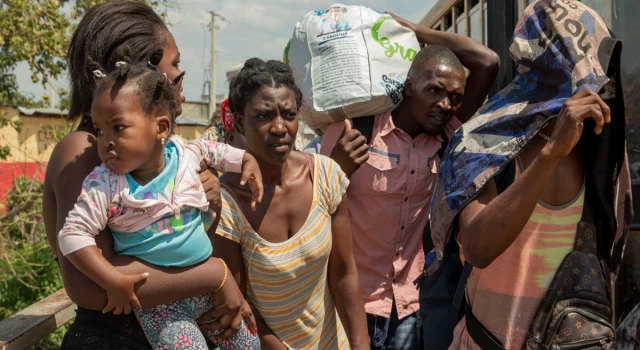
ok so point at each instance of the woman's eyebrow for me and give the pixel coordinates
(177, 79)
(261, 110)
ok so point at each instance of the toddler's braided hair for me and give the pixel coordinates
(156, 94)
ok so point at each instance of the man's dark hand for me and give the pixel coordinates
(351, 151)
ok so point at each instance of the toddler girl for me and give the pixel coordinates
(147, 191)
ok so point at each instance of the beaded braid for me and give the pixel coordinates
(154, 90)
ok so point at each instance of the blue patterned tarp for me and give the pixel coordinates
(555, 45)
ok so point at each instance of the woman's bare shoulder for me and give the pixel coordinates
(76, 151)
(72, 159)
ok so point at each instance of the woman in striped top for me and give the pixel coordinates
(291, 256)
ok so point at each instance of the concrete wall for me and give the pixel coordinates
(37, 137)
(195, 111)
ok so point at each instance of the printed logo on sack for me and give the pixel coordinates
(334, 21)
(393, 87)
(391, 48)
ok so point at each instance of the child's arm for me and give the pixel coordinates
(226, 158)
(219, 156)
(89, 215)
(77, 243)
(119, 287)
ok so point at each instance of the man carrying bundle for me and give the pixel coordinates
(390, 193)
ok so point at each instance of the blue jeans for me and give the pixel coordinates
(392, 333)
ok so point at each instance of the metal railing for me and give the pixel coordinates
(27, 327)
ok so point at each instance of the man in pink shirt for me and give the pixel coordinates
(390, 193)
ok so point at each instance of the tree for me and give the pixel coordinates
(39, 32)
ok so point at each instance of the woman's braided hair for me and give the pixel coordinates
(257, 74)
(156, 94)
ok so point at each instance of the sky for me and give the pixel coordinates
(252, 28)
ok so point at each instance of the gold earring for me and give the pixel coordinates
(162, 141)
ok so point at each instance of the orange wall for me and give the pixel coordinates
(9, 171)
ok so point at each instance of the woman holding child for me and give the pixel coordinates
(103, 30)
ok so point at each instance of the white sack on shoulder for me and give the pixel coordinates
(349, 62)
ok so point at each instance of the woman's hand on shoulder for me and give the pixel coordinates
(211, 185)
(251, 174)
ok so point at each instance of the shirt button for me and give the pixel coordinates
(402, 228)
(414, 145)
(413, 172)
(406, 199)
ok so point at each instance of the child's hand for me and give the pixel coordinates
(251, 174)
(121, 297)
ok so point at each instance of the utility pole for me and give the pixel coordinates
(212, 82)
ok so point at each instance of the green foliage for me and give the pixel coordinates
(28, 271)
(52, 22)
(24, 20)
(10, 96)
(65, 99)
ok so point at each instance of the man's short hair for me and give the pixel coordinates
(434, 54)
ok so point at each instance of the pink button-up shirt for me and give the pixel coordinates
(389, 200)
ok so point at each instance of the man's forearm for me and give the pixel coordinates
(488, 234)
(471, 54)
